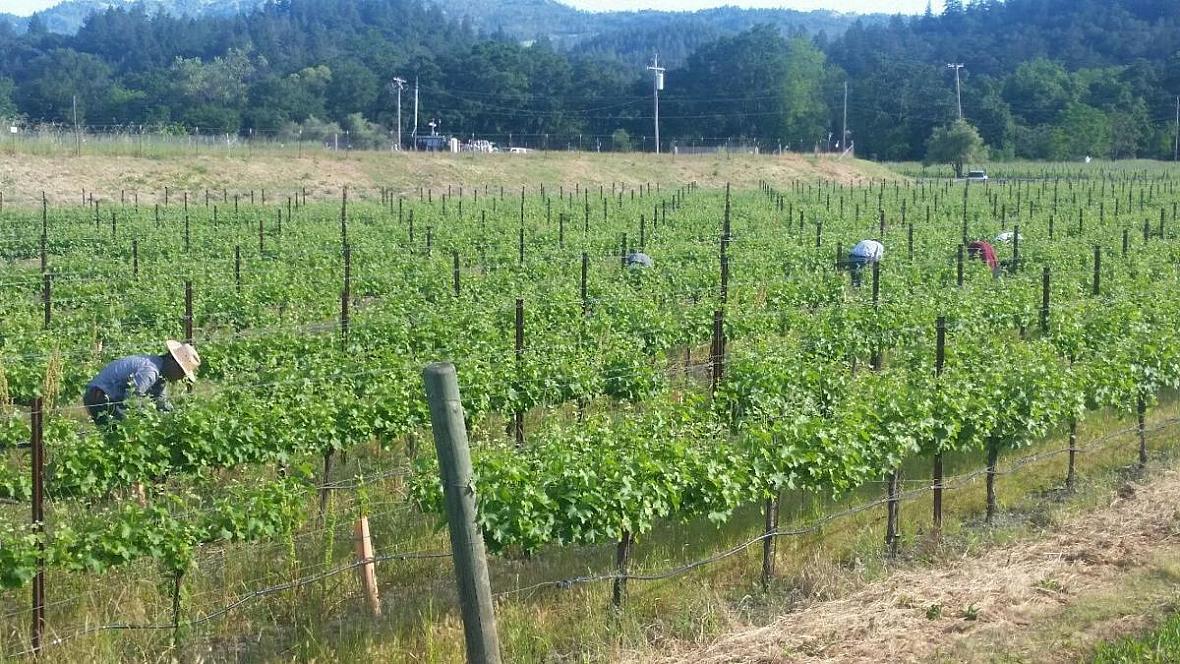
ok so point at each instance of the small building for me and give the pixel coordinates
(432, 144)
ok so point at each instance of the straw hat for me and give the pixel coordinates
(186, 356)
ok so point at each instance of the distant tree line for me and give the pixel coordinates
(1044, 79)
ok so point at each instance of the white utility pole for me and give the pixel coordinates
(415, 134)
(400, 84)
(958, 90)
(77, 131)
(658, 82)
(844, 136)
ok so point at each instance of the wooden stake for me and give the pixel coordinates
(367, 571)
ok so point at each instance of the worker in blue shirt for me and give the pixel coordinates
(639, 260)
(139, 375)
(864, 253)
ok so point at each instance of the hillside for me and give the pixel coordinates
(627, 35)
(1041, 79)
(68, 16)
(632, 36)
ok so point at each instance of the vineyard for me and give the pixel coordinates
(681, 408)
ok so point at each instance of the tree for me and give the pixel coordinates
(955, 144)
(754, 85)
(1082, 131)
(895, 105)
(7, 106)
(620, 141)
(56, 78)
(805, 110)
(354, 89)
(991, 114)
(1038, 91)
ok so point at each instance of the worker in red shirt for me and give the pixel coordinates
(985, 252)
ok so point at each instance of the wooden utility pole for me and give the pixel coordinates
(471, 566)
(1176, 145)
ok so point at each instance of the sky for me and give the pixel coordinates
(26, 7)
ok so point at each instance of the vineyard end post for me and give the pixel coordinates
(467, 547)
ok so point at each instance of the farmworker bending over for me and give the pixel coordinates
(139, 375)
(638, 259)
(864, 253)
(985, 252)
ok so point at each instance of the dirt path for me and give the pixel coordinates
(1096, 576)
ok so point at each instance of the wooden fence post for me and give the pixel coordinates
(467, 547)
(622, 557)
(346, 297)
(518, 416)
(770, 541)
(718, 351)
(1141, 429)
(47, 298)
(585, 279)
(1045, 300)
(993, 456)
(188, 312)
(1071, 472)
(1097, 270)
(37, 423)
(939, 363)
(455, 274)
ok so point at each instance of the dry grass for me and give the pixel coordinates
(63, 178)
(972, 606)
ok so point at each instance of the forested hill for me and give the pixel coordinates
(633, 36)
(1041, 78)
(998, 36)
(563, 25)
